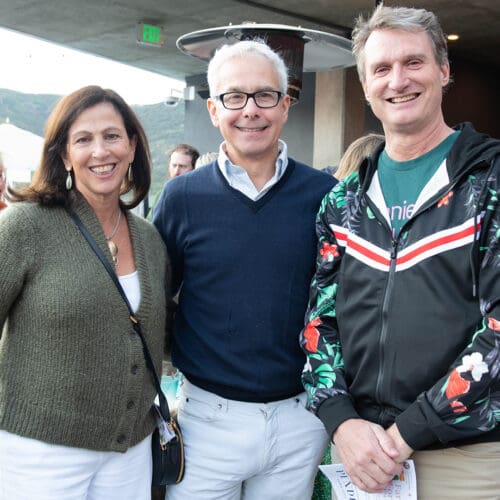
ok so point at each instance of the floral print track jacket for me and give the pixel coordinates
(407, 328)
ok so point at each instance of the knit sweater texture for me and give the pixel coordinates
(72, 370)
(245, 269)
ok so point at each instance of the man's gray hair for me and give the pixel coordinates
(398, 18)
(242, 49)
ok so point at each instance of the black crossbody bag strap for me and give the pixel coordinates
(165, 412)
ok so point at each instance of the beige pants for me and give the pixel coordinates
(469, 472)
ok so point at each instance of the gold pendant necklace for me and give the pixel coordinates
(113, 248)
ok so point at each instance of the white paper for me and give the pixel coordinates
(165, 430)
(403, 486)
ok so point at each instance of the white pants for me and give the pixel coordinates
(34, 470)
(252, 451)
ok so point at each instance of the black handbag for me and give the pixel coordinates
(167, 445)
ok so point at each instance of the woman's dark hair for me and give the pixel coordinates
(48, 186)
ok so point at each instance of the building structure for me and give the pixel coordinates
(331, 111)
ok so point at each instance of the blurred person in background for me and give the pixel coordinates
(206, 158)
(182, 159)
(75, 394)
(3, 181)
(353, 156)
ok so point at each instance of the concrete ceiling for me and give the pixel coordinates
(108, 27)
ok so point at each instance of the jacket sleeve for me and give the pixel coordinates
(466, 401)
(323, 375)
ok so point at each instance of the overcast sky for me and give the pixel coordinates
(31, 65)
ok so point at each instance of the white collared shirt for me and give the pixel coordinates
(239, 179)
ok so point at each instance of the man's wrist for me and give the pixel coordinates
(401, 445)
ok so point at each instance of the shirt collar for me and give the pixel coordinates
(228, 168)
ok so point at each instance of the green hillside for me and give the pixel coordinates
(164, 125)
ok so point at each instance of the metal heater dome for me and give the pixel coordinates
(303, 50)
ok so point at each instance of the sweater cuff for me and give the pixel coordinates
(333, 411)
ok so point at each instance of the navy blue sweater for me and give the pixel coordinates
(245, 269)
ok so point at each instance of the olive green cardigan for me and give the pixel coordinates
(72, 371)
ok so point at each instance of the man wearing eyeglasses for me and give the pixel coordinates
(241, 236)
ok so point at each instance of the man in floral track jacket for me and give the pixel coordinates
(403, 326)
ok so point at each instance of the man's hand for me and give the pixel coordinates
(368, 454)
(404, 451)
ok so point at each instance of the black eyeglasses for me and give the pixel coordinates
(238, 100)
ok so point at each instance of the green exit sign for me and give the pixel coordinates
(150, 34)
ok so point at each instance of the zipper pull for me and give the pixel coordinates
(394, 249)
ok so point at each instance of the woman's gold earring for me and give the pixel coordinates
(130, 173)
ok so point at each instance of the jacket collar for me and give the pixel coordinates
(470, 149)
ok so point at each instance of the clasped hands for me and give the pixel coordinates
(370, 455)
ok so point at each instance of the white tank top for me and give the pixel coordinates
(132, 289)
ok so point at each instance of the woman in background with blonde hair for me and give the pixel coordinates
(354, 154)
(2, 183)
(206, 158)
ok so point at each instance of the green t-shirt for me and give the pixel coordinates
(402, 181)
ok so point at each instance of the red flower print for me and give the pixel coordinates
(494, 324)
(445, 199)
(328, 252)
(458, 407)
(456, 387)
(311, 335)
